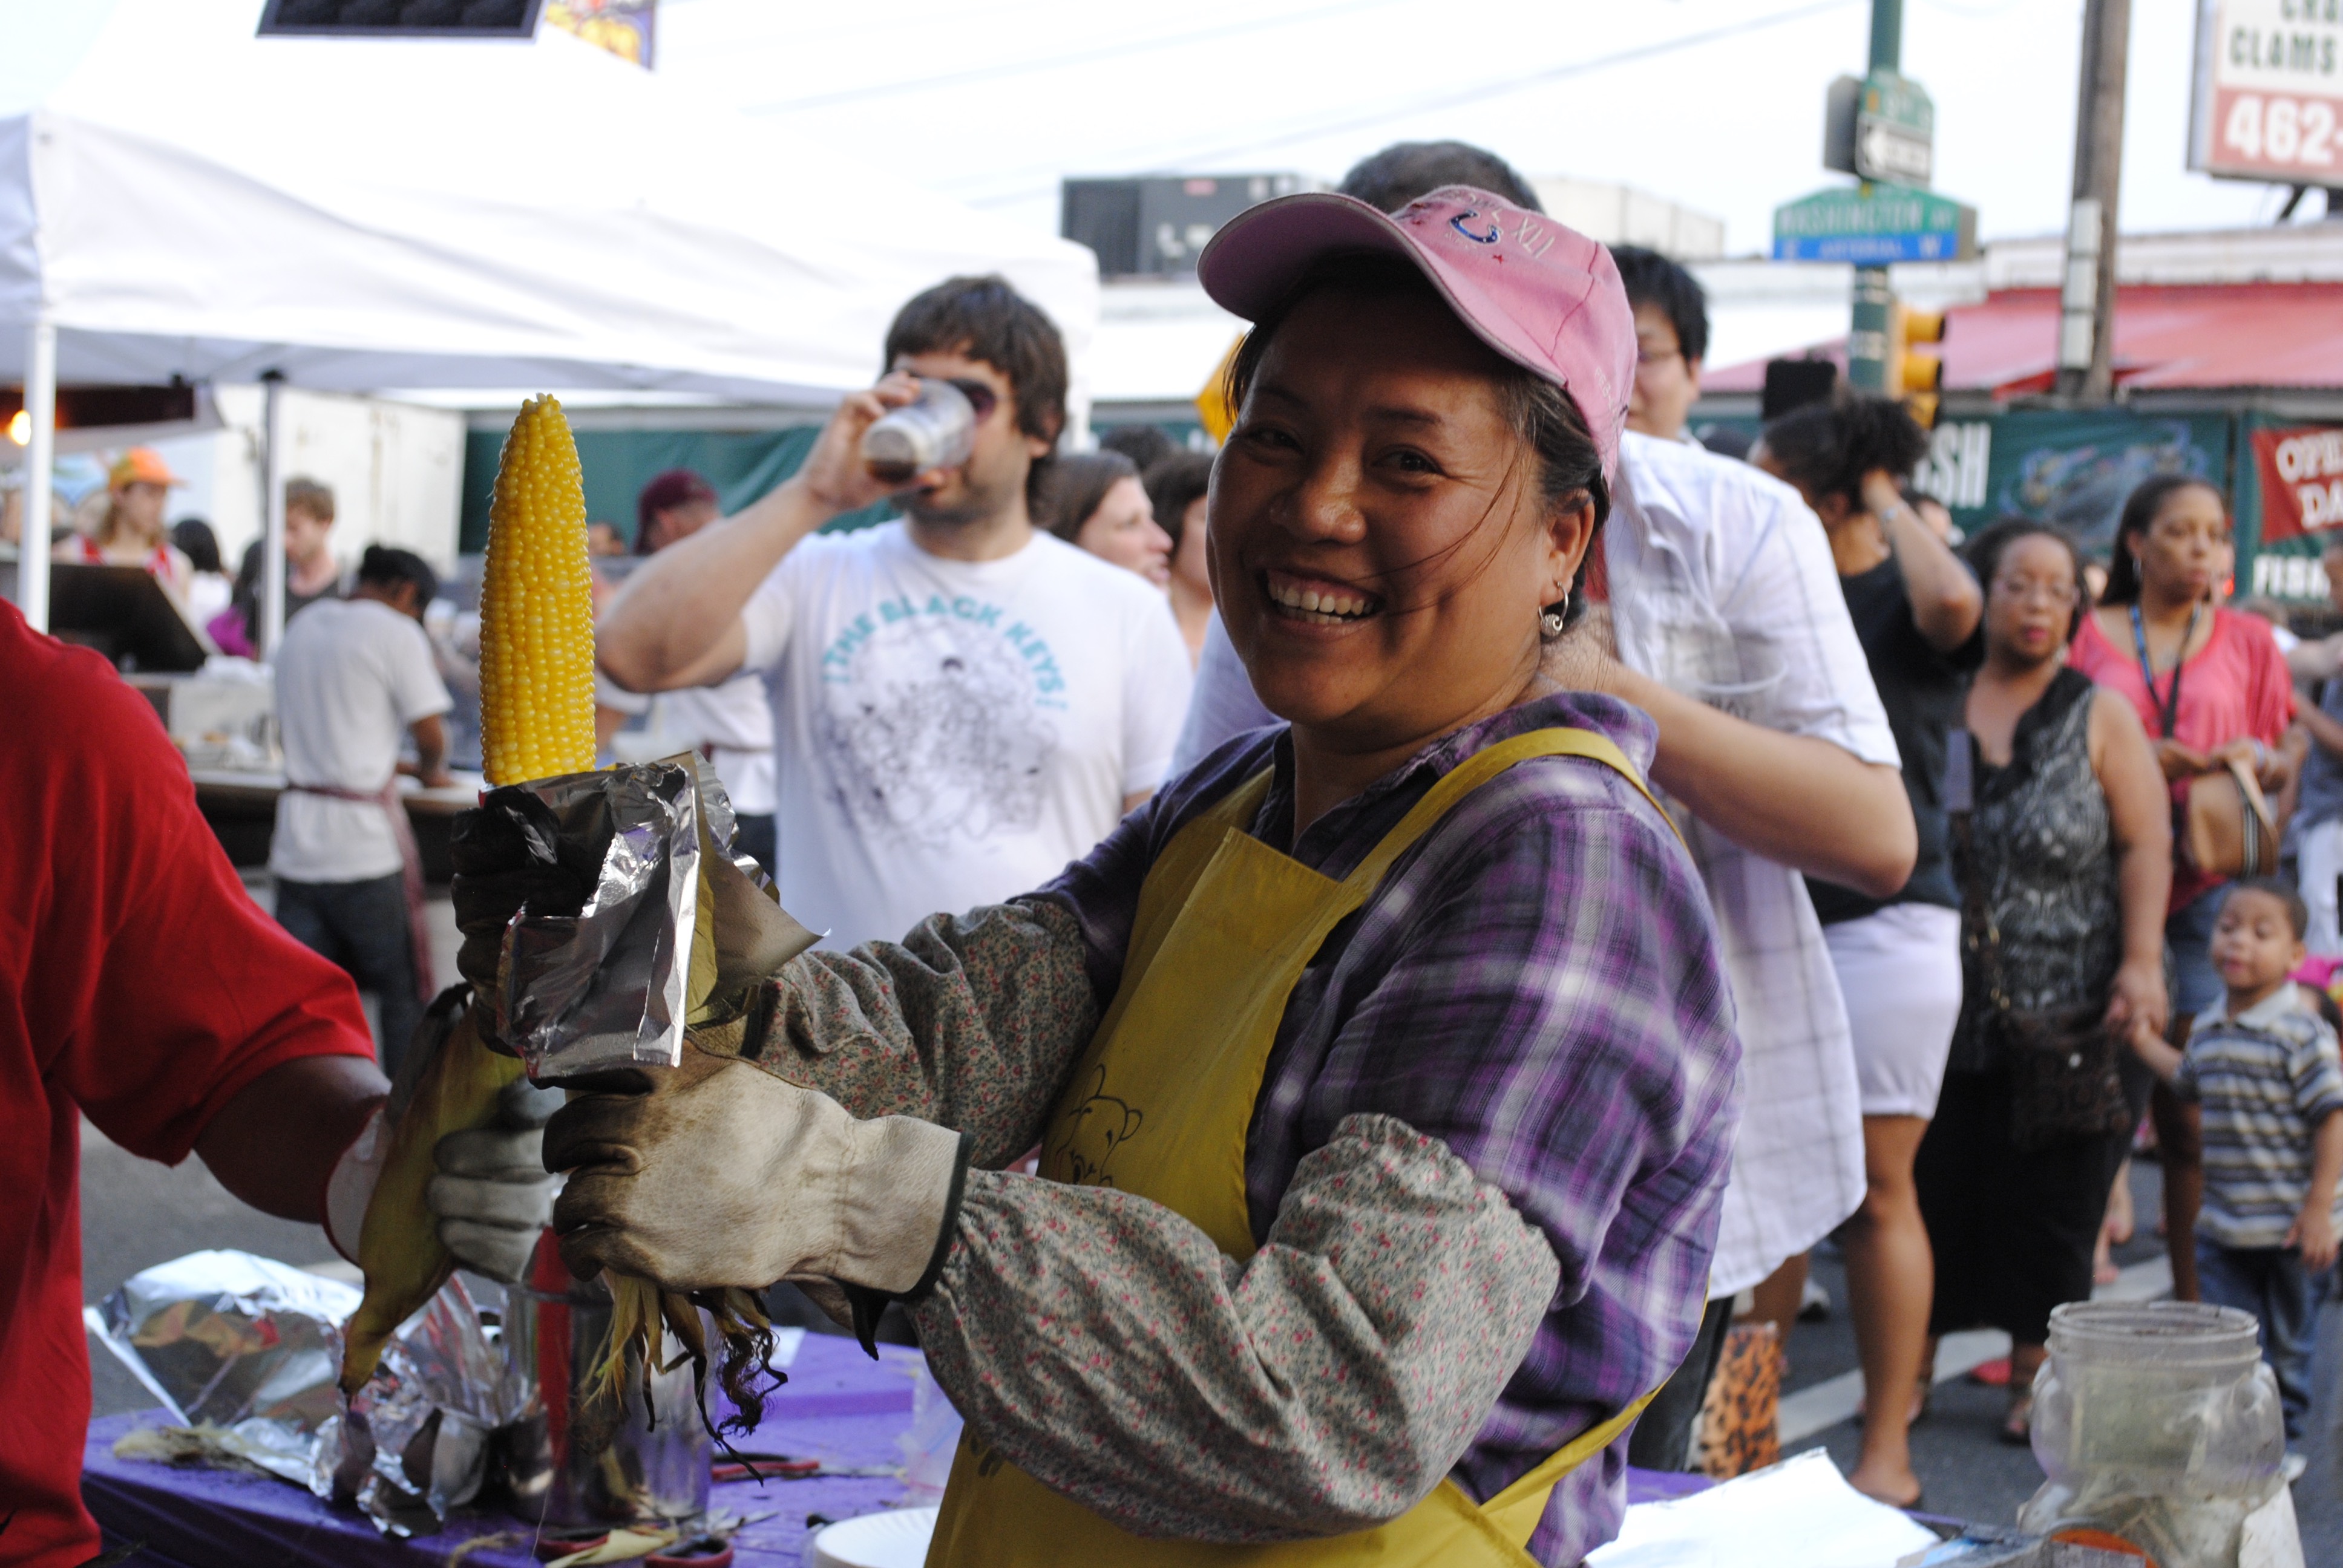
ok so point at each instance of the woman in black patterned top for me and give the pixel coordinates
(2067, 857)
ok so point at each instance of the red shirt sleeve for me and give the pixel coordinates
(139, 982)
(166, 989)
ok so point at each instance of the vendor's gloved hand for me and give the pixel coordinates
(495, 872)
(722, 1175)
(493, 1195)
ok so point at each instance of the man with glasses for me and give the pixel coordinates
(962, 703)
(1671, 340)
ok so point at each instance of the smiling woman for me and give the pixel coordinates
(1382, 1066)
(1484, 488)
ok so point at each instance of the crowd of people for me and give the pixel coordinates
(1460, 892)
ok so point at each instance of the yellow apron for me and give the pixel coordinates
(1161, 1106)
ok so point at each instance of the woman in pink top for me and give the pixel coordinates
(2210, 684)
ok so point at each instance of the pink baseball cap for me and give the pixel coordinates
(1543, 295)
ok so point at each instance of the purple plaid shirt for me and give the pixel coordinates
(1535, 984)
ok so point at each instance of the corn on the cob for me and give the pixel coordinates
(536, 608)
(399, 1250)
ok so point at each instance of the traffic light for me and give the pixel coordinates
(1915, 375)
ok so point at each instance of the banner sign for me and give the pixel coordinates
(2302, 479)
(2267, 102)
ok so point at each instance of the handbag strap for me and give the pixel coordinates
(1979, 929)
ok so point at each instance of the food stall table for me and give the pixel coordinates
(241, 808)
(839, 1406)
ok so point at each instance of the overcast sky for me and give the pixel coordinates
(1715, 104)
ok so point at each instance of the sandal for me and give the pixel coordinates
(2018, 1425)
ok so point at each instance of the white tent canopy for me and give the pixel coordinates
(179, 198)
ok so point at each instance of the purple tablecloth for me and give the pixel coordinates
(839, 1407)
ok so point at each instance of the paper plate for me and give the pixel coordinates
(897, 1538)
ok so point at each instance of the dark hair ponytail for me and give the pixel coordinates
(387, 566)
(2139, 514)
(1826, 449)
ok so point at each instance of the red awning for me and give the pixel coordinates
(2208, 335)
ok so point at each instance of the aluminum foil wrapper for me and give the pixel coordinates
(247, 1350)
(605, 987)
(414, 1442)
(233, 1340)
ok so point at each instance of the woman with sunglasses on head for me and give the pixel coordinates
(2211, 686)
(2062, 849)
(1916, 609)
(1382, 1065)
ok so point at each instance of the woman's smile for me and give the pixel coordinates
(1316, 600)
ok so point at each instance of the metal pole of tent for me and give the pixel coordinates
(40, 454)
(272, 501)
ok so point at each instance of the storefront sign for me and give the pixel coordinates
(2302, 479)
(2267, 102)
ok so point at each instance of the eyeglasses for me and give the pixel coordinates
(2033, 591)
(981, 400)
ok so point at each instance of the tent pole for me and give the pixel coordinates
(271, 502)
(40, 455)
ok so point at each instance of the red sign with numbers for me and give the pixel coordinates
(2269, 91)
(2302, 479)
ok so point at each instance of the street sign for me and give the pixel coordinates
(1873, 224)
(1880, 127)
(2268, 99)
(1895, 131)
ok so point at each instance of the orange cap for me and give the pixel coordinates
(141, 465)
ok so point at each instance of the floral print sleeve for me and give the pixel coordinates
(1324, 1385)
(972, 1021)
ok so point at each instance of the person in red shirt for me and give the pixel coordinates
(139, 985)
(2211, 686)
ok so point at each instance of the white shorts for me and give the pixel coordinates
(1900, 972)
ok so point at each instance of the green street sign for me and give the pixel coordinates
(1873, 224)
(1894, 99)
(1895, 130)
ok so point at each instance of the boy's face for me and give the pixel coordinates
(2254, 944)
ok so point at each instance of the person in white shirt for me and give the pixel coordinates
(729, 723)
(354, 678)
(962, 704)
(1731, 631)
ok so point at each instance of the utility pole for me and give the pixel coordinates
(2088, 298)
(1867, 340)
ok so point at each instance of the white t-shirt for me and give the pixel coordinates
(730, 723)
(351, 675)
(952, 733)
(1723, 588)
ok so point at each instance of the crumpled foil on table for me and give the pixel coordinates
(604, 988)
(245, 1351)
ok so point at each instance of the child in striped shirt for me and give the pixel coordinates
(2264, 1068)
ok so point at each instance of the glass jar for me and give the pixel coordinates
(2157, 1422)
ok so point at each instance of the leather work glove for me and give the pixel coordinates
(493, 1194)
(722, 1175)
